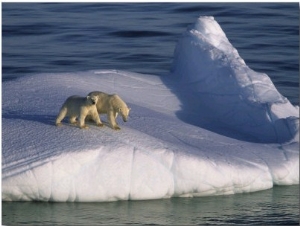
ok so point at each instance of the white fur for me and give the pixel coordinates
(76, 106)
(111, 105)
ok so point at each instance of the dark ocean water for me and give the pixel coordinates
(52, 38)
(38, 38)
(277, 206)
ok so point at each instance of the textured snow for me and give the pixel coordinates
(211, 127)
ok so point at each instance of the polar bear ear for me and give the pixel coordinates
(119, 109)
(88, 97)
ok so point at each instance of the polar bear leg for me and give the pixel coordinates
(62, 114)
(82, 117)
(72, 119)
(96, 118)
(112, 120)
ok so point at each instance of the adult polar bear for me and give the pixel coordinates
(111, 105)
(76, 106)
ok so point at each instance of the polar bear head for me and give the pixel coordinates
(92, 100)
(124, 111)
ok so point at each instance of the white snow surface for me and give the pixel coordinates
(211, 127)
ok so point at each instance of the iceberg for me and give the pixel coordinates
(182, 138)
(218, 85)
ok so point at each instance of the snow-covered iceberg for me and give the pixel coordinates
(223, 90)
(156, 154)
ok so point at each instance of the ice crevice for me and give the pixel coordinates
(212, 126)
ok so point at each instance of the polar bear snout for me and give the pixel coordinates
(124, 112)
(93, 99)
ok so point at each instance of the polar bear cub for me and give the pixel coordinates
(112, 105)
(79, 107)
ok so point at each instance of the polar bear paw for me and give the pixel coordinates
(117, 128)
(100, 124)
